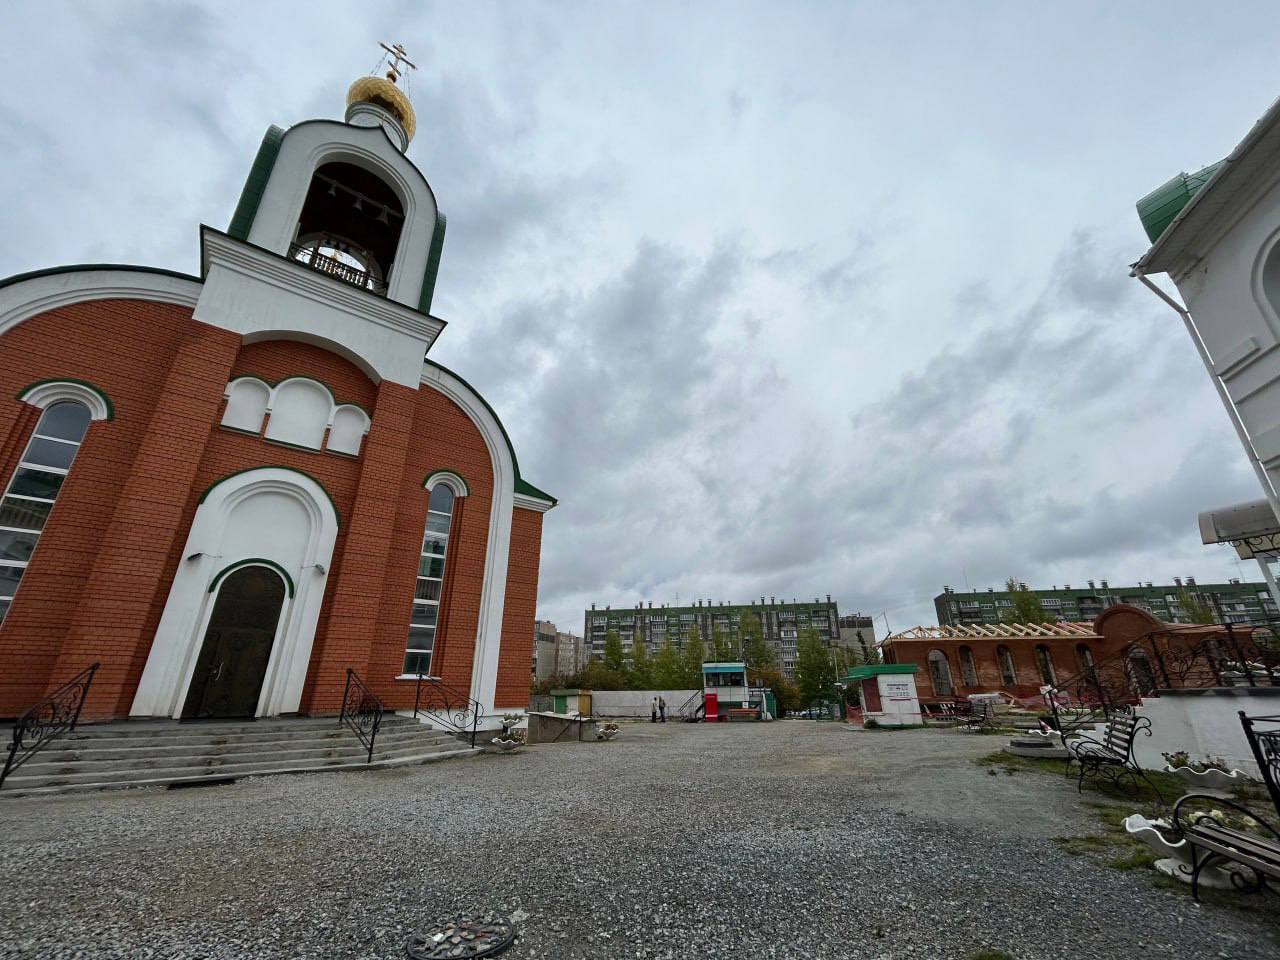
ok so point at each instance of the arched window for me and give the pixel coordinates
(350, 226)
(1085, 656)
(968, 670)
(1139, 670)
(940, 674)
(1008, 675)
(430, 583)
(1045, 662)
(34, 487)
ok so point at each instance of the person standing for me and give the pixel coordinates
(662, 708)
(653, 711)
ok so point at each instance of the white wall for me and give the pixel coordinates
(1204, 723)
(1224, 289)
(636, 703)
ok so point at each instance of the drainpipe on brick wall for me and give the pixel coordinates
(1234, 414)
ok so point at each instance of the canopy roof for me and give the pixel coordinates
(994, 631)
(1249, 527)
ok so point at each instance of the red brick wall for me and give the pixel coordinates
(520, 610)
(1062, 651)
(102, 571)
(125, 348)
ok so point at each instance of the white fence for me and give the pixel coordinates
(635, 703)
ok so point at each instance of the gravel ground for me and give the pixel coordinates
(786, 840)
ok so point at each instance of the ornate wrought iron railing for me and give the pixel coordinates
(53, 716)
(447, 705)
(1265, 745)
(331, 266)
(361, 711)
(1235, 655)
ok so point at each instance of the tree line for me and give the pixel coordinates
(679, 667)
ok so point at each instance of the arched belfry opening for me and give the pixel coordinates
(350, 226)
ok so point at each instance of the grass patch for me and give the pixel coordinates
(1145, 857)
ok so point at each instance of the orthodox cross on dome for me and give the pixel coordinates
(395, 55)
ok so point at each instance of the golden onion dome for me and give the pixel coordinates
(381, 92)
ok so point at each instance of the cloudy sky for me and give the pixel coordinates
(778, 299)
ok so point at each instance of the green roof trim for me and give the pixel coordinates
(875, 669)
(1161, 206)
(433, 264)
(87, 267)
(254, 562)
(256, 184)
(528, 489)
(111, 407)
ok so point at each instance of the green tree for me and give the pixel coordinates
(786, 692)
(870, 653)
(668, 671)
(722, 646)
(691, 663)
(1194, 606)
(614, 659)
(596, 676)
(1025, 605)
(814, 673)
(640, 672)
(757, 652)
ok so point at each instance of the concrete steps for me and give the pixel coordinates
(156, 753)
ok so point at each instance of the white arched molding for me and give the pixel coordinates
(248, 400)
(48, 392)
(305, 148)
(493, 588)
(1265, 282)
(450, 479)
(347, 428)
(301, 410)
(41, 292)
(269, 515)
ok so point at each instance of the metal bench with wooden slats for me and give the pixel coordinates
(1111, 757)
(1212, 841)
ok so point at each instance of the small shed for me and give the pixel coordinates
(571, 701)
(888, 693)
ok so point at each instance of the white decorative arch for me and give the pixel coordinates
(271, 515)
(1265, 282)
(36, 293)
(48, 392)
(493, 588)
(347, 428)
(301, 410)
(450, 479)
(248, 399)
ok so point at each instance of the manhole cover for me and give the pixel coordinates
(463, 936)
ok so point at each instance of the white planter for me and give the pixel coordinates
(1177, 854)
(1200, 780)
(507, 746)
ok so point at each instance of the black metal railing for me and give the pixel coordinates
(1235, 654)
(447, 705)
(53, 716)
(1265, 745)
(689, 710)
(361, 711)
(332, 267)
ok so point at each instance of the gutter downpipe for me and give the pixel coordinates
(1258, 468)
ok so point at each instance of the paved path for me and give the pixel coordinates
(786, 840)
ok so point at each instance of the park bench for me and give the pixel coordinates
(742, 713)
(1111, 757)
(1213, 839)
(981, 715)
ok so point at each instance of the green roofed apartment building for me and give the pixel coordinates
(780, 624)
(1231, 602)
